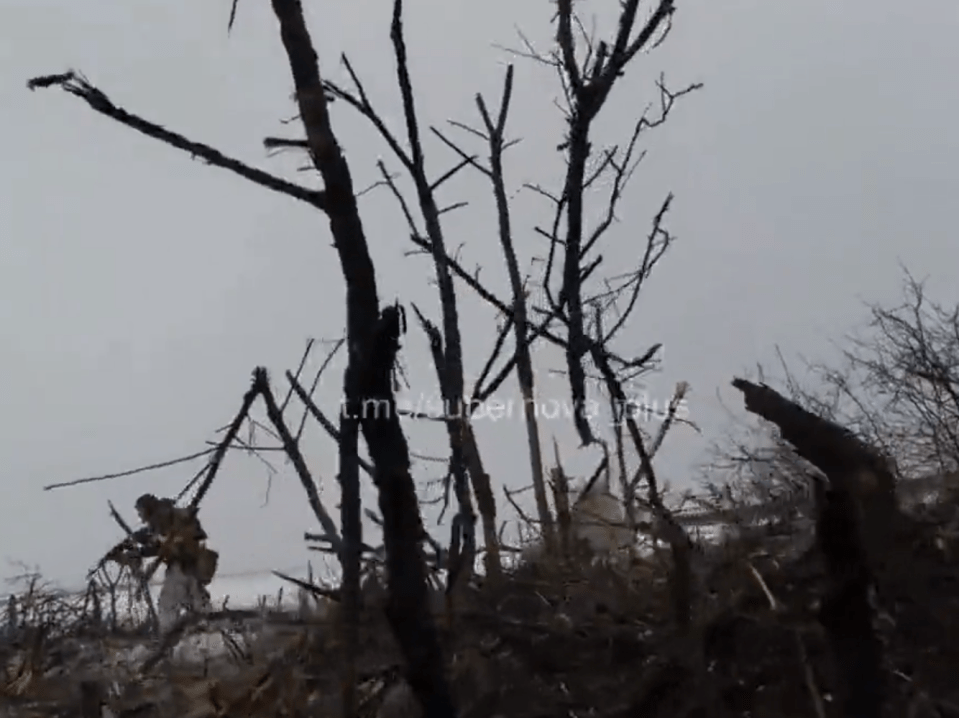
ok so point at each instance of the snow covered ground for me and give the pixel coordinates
(237, 591)
(241, 590)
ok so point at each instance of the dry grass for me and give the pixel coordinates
(576, 640)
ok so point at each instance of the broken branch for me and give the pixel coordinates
(76, 85)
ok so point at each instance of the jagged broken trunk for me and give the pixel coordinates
(849, 464)
(408, 605)
(857, 528)
(372, 340)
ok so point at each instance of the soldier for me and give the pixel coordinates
(175, 535)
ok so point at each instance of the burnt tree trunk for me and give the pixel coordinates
(408, 604)
(855, 530)
(372, 340)
(846, 613)
(848, 463)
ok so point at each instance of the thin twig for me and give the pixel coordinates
(318, 414)
(131, 472)
(262, 385)
(220, 451)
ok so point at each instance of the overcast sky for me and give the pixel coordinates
(138, 288)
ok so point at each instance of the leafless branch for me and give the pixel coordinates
(131, 472)
(76, 85)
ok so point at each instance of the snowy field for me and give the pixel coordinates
(237, 591)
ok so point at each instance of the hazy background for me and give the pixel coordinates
(139, 289)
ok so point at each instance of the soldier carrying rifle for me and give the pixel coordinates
(175, 536)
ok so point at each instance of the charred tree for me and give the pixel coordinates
(850, 465)
(373, 341)
(846, 613)
(854, 532)
(408, 605)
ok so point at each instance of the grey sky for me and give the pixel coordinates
(139, 289)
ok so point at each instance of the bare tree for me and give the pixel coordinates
(372, 339)
(896, 387)
(588, 320)
(886, 415)
(900, 382)
(588, 71)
